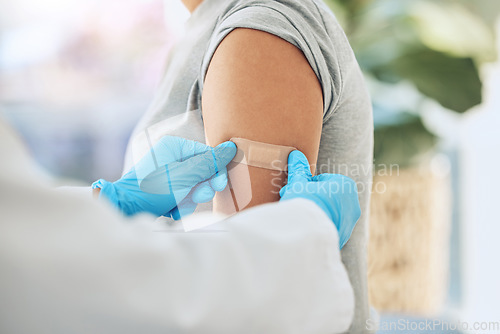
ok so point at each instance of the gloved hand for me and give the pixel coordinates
(336, 194)
(171, 179)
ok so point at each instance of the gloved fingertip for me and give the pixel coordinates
(224, 153)
(227, 144)
(296, 157)
(203, 193)
(219, 182)
(298, 166)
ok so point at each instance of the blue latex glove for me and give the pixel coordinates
(336, 194)
(171, 179)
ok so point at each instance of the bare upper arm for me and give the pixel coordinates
(262, 88)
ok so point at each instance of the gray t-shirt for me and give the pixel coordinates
(347, 136)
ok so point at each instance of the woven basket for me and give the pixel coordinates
(409, 241)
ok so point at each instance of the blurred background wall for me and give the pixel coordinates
(75, 76)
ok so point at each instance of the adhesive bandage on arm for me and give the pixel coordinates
(267, 175)
(262, 155)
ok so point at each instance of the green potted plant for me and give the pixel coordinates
(413, 52)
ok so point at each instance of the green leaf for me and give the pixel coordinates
(452, 28)
(404, 144)
(453, 82)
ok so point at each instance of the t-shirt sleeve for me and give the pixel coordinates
(299, 24)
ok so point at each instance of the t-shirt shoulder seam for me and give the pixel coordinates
(289, 15)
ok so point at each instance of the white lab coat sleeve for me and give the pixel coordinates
(85, 191)
(69, 264)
